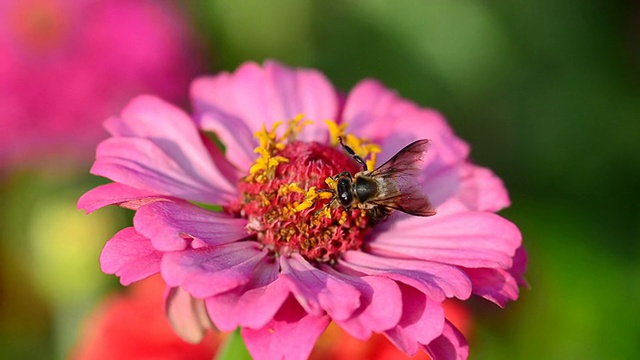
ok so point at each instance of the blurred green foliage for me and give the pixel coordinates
(548, 95)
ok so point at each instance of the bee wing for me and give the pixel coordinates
(399, 178)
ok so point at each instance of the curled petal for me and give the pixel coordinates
(130, 256)
(212, 270)
(422, 321)
(171, 225)
(118, 194)
(318, 291)
(252, 305)
(451, 345)
(380, 304)
(519, 266)
(482, 190)
(469, 239)
(437, 281)
(290, 335)
(495, 285)
(187, 315)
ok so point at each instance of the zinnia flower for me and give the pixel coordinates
(229, 209)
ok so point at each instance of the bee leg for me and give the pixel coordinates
(330, 203)
(342, 174)
(353, 154)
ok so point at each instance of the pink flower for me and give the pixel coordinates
(65, 65)
(275, 261)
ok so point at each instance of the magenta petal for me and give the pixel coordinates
(172, 131)
(130, 256)
(252, 305)
(482, 190)
(141, 164)
(237, 138)
(437, 281)
(495, 285)
(318, 291)
(375, 112)
(187, 315)
(290, 335)
(212, 270)
(114, 193)
(371, 109)
(451, 345)
(263, 95)
(380, 308)
(170, 225)
(422, 321)
(469, 239)
(519, 266)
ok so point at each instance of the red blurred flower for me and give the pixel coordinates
(133, 325)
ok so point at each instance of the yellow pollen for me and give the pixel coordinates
(364, 148)
(271, 145)
(331, 183)
(335, 130)
(295, 126)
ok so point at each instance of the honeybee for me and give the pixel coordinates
(392, 186)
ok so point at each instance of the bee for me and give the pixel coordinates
(392, 186)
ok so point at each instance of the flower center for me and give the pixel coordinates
(282, 200)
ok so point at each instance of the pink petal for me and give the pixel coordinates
(171, 130)
(213, 270)
(187, 315)
(114, 193)
(482, 190)
(519, 266)
(495, 285)
(130, 256)
(171, 225)
(381, 304)
(371, 109)
(252, 305)
(234, 134)
(377, 113)
(141, 164)
(290, 335)
(451, 345)
(422, 321)
(268, 94)
(318, 291)
(470, 239)
(437, 281)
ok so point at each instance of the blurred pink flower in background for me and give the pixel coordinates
(65, 65)
(271, 262)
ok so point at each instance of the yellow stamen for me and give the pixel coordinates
(335, 131)
(295, 126)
